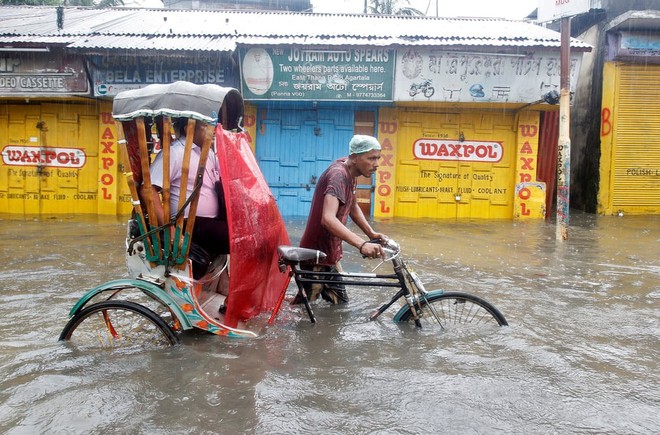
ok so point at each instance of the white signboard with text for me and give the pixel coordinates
(432, 75)
(550, 10)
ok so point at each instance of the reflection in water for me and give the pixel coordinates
(581, 354)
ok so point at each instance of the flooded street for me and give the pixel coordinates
(580, 355)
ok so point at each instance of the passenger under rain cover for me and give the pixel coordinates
(256, 229)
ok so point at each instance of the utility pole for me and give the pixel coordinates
(550, 10)
(564, 143)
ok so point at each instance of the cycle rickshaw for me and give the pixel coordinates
(173, 287)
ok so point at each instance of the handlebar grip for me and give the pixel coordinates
(368, 241)
(389, 246)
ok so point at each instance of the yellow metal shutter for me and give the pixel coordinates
(636, 153)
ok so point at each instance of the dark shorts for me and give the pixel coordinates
(334, 292)
(212, 234)
(210, 239)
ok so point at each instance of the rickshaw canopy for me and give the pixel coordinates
(181, 99)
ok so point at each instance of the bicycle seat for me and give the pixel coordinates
(293, 254)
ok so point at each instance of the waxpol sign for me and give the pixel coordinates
(550, 10)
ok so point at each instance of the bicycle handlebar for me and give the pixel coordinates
(389, 246)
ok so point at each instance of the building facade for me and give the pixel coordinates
(616, 156)
(460, 105)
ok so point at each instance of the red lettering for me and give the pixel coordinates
(48, 156)
(63, 158)
(107, 147)
(107, 134)
(528, 130)
(43, 156)
(388, 127)
(524, 178)
(106, 194)
(107, 162)
(384, 190)
(384, 176)
(525, 194)
(384, 209)
(107, 179)
(33, 159)
(527, 163)
(523, 210)
(249, 120)
(106, 118)
(387, 160)
(481, 151)
(387, 145)
(455, 150)
(428, 149)
(605, 123)
(526, 149)
(13, 155)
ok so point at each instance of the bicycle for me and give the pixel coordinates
(424, 308)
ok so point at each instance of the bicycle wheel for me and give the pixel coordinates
(118, 324)
(454, 309)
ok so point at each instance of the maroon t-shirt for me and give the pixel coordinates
(338, 182)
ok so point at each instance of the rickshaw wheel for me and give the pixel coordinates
(118, 324)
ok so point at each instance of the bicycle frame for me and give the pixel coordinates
(410, 287)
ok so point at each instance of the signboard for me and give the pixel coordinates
(448, 150)
(426, 74)
(550, 10)
(638, 44)
(45, 74)
(19, 155)
(115, 73)
(301, 73)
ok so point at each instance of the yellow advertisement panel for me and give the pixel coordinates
(250, 124)
(49, 159)
(454, 164)
(385, 176)
(529, 198)
(71, 130)
(108, 163)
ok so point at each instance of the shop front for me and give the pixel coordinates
(460, 131)
(57, 157)
(630, 128)
(460, 164)
(309, 102)
(58, 138)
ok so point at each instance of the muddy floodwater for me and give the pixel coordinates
(580, 355)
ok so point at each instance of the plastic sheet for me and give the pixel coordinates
(256, 229)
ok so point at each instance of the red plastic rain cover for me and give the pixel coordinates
(256, 229)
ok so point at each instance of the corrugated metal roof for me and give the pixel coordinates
(161, 43)
(194, 30)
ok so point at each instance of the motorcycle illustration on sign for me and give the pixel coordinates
(425, 87)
